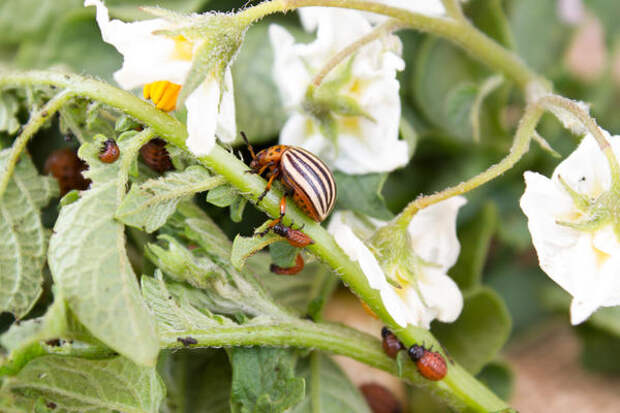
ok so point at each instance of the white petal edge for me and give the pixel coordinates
(202, 117)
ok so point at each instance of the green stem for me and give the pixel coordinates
(128, 157)
(554, 101)
(520, 146)
(458, 31)
(458, 387)
(33, 125)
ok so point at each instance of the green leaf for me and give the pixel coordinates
(443, 86)
(488, 16)
(237, 208)
(475, 238)
(480, 331)
(362, 193)
(210, 237)
(8, 113)
(73, 35)
(600, 349)
(148, 205)
(181, 263)
(264, 380)
(89, 264)
(257, 103)
(196, 381)
(329, 390)
(283, 254)
(499, 377)
(244, 247)
(178, 308)
(222, 196)
(25, 19)
(23, 243)
(539, 35)
(74, 384)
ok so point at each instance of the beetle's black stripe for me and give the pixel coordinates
(306, 172)
(301, 158)
(320, 168)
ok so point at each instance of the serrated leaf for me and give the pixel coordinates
(196, 381)
(328, 389)
(74, 384)
(244, 247)
(264, 380)
(148, 205)
(175, 309)
(23, 243)
(362, 193)
(89, 264)
(480, 331)
(222, 196)
(475, 238)
(8, 113)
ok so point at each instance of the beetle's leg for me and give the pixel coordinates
(261, 170)
(269, 228)
(245, 138)
(274, 175)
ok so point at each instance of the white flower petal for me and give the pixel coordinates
(146, 57)
(580, 311)
(433, 232)
(202, 110)
(441, 295)
(226, 122)
(395, 306)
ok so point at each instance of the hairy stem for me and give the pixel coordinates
(461, 389)
(523, 136)
(34, 124)
(551, 101)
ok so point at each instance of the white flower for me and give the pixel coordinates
(161, 64)
(362, 143)
(572, 227)
(423, 292)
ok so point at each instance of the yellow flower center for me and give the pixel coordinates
(183, 48)
(164, 94)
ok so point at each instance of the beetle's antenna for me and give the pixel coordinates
(245, 138)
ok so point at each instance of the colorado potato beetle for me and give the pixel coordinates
(294, 237)
(303, 174)
(66, 167)
(155, 155)
(391, 344)
(430, 364)
(109, 151)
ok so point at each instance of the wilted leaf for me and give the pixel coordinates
(148, 205)
(264, 380)
(23, 243)
(89, 264)
(74, 384)
(328, 389)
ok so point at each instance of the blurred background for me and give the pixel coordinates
(545, 365)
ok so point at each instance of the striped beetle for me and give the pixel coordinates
(305, 177)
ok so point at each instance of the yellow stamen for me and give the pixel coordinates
(164, 94)
(183, 48)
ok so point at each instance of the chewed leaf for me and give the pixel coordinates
(75, 384)
(149, 204)
(23, 243)
(89, 265)
(244, 247)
